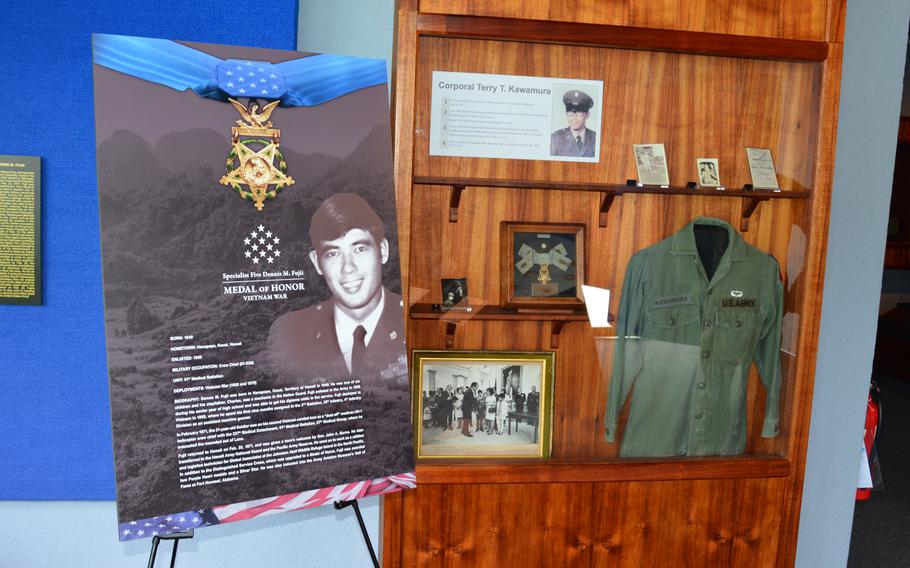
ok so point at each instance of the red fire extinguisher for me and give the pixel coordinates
(870, 435)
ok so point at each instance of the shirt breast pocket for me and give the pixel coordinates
(672, 330)
(673, 317)
(737, 332)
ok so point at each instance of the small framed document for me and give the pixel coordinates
(761, 166)
(542, 265)
(651, 161)
(708, 172)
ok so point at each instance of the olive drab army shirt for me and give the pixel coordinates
(696, 310)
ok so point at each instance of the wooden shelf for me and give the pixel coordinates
(608, 192)
(452, 317)
(425, 311)
(620, 37)
(454, 472)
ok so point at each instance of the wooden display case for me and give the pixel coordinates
(705, 79)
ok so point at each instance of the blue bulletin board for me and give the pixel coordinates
(55, 435)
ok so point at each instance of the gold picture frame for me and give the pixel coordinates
(521, 426)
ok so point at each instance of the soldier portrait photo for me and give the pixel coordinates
(575, 139)
(359, 330)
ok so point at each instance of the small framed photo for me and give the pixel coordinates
(454, 293)
(542, 265)
(482, 404)
(651, 163)
(708, 172)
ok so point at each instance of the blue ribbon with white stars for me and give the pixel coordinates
(167, 524)
(308, 81)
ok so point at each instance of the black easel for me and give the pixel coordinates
(176, 537)
(339, 505)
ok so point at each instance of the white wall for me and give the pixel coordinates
(874, 53)
(76, 534)
(362, 28)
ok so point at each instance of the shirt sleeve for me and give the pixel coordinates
(626, 356)
(767, 356)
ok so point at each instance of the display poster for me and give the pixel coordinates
(255, 335)
(509, 116)
(761, 166)
(20, 231)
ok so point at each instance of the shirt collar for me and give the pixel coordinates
(683, 242)
(583, 133)
(345, 324)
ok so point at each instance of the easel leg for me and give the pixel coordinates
(174, 553)
(155, 541)
(176, 537)
(363, 528)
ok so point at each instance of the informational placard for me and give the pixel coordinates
(510, 116)
(255, 331)
(761, 166)
(20, 231)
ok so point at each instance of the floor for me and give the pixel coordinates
(881, 525)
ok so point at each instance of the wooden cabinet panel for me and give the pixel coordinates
(682, 524)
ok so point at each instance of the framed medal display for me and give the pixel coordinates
(542, 265)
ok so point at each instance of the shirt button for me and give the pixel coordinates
(710, 292)
(739, 323)
(702, 386)
(707, 323)
(699, 416)
(705, 354)
(672, 321)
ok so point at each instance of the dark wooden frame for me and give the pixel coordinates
(508, 298)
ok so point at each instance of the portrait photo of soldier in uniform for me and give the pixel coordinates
(575, 139)
(359, 330)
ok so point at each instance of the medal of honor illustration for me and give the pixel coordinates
(255, 160)
(544, 276)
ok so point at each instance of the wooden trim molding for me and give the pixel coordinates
(455, 472)
(621, 37)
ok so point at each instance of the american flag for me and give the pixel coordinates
(167, 524)
(180, 522)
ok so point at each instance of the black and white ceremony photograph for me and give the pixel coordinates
(482, 404)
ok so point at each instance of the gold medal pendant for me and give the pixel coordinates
(255, 160)
(544, 276)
